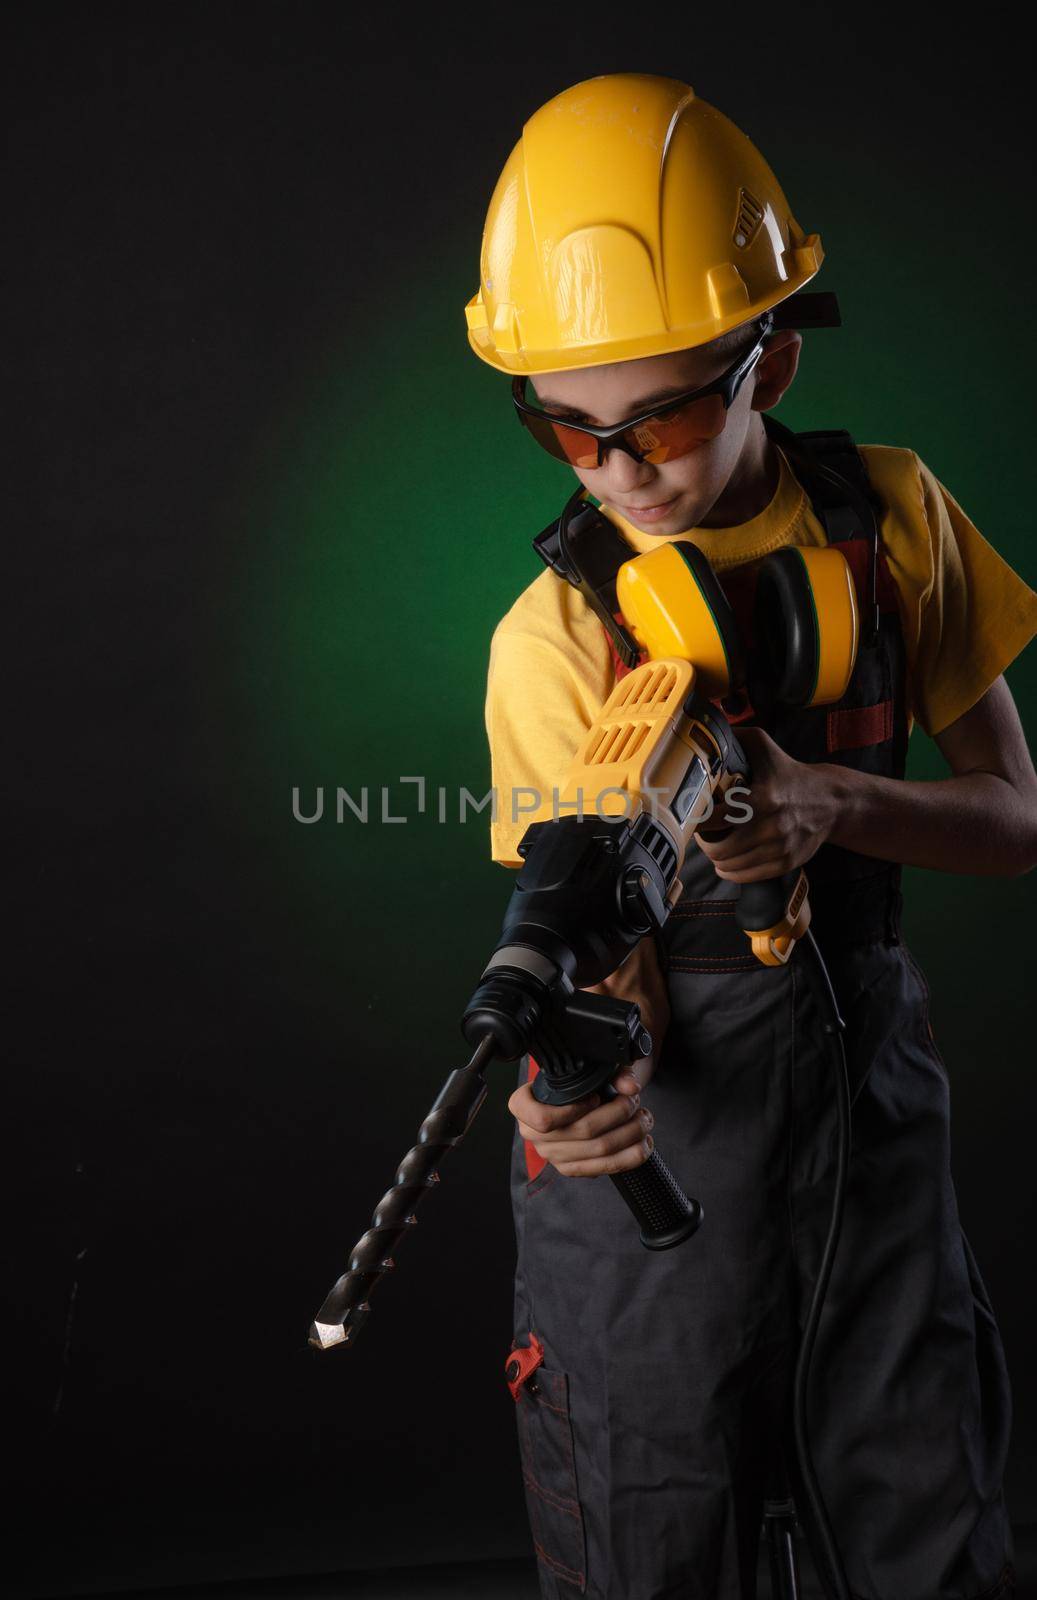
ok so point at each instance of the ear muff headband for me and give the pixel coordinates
(673, 603)
(807, 624)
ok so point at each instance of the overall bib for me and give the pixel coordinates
(653, 1389)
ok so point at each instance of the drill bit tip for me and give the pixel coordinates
(323, 1335)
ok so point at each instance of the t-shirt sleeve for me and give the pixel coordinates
(975, 614)
(537, 712)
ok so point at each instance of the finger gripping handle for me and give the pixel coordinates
(665, 1213)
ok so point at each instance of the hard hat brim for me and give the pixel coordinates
(796, 309)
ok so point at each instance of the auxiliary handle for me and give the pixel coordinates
(665, 1213)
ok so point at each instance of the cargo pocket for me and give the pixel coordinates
(926, 1037)
(549, 1475)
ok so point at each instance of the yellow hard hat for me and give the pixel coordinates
(630, 219)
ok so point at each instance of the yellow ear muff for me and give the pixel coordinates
(673, 604)
(806, 625)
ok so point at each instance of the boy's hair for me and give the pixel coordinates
(736, 341)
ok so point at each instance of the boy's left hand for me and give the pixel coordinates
(793, 804)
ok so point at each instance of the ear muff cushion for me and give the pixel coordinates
(785, 628)
(806, 625)
(719, 607)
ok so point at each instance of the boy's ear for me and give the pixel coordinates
(776, 368)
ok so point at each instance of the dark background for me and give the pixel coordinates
(265, 508)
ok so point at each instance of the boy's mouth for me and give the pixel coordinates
(658, 509)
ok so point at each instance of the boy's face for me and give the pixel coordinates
(683, 491)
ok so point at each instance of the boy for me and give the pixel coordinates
(637, 248)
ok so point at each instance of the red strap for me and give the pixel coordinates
(535, 1162)
(522, 1361)
(858, 558)
(860, 726)
(739, 584)
(621, 668)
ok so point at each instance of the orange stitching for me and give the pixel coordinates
(552, 1561)
(709, 963)
(551, 1498)
(689, 966)
(727, 956)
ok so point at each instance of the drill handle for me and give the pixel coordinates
(664, 1212)
(774, 914)
(761, 905)
(578, 1054)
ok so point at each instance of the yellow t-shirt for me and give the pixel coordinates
(965, 613)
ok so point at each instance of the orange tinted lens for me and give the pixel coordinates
(577, 448)
(675, 433)
(565, 444)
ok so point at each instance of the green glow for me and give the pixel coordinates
(382, 542)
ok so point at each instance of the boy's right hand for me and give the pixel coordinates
(588, 1139)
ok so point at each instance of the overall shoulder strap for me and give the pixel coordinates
(833, 473)
(587, 550)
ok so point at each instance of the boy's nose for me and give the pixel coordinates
(624, 472)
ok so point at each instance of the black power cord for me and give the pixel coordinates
(834, 1579)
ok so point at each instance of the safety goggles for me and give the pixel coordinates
(669, 431)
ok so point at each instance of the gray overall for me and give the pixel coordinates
(650, 1429)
